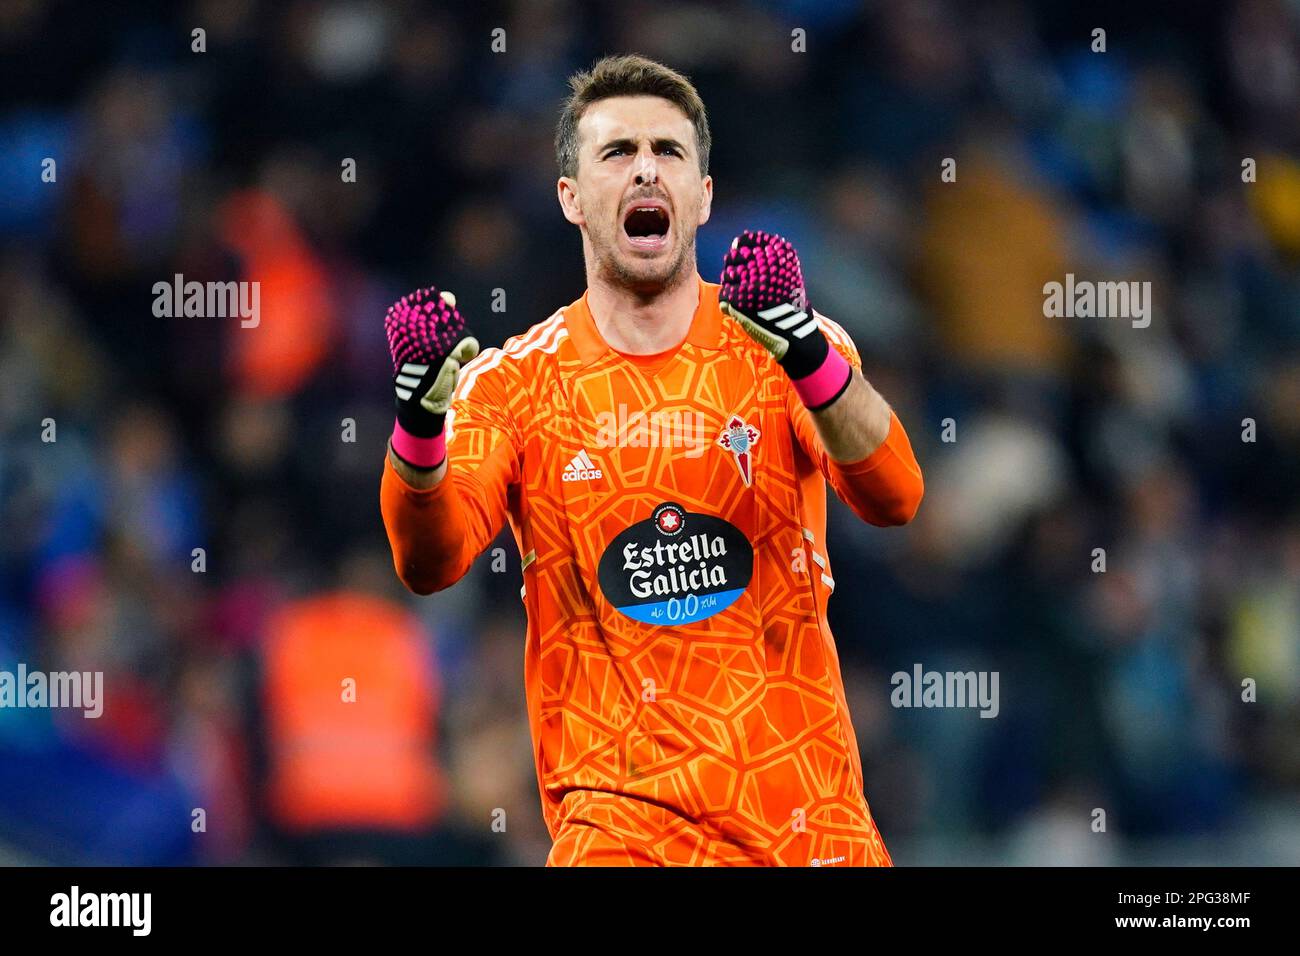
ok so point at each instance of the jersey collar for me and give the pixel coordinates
(705, 330)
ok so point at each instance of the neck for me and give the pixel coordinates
(643, 323)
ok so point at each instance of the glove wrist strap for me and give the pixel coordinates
(819, 389)
(416, 451)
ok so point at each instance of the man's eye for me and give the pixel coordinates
(616, 149)
(671, 150)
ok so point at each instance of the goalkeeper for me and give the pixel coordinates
(683, 688)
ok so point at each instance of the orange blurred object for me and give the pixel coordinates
(367, 762)
(296, 322)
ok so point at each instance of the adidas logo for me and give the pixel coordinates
(582, 468)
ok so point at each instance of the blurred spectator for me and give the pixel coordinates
(349, 699)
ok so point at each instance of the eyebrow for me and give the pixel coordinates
(626, 143)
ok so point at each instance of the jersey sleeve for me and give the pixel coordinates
(436, 533)
(886, 487)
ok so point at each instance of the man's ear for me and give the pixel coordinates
(567, 191)
(706, 200)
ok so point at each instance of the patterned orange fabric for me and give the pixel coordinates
(683, 687)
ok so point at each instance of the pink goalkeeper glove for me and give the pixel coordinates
(762, 289)
(429, 343)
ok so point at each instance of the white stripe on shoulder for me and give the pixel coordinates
(545, 342)
(554, 335)
(545, 337)
(470, 371)
(520, 343)
(517, 342)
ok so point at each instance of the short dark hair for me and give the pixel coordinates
(627, 75)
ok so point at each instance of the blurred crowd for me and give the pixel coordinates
(191, 507)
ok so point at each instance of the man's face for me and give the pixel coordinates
(638, 196)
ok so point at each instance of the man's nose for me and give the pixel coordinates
(646, 170)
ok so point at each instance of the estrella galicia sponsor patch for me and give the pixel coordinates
(676, 567)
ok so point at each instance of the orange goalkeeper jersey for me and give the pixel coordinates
(683, 688)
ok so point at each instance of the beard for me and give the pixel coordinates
(647, 277)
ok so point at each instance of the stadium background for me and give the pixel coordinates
(1119, 690)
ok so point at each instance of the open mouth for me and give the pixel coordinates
(646, 225)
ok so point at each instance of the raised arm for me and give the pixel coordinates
(444, 489)
(842, 422)
(869, 464)
(439, 520)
